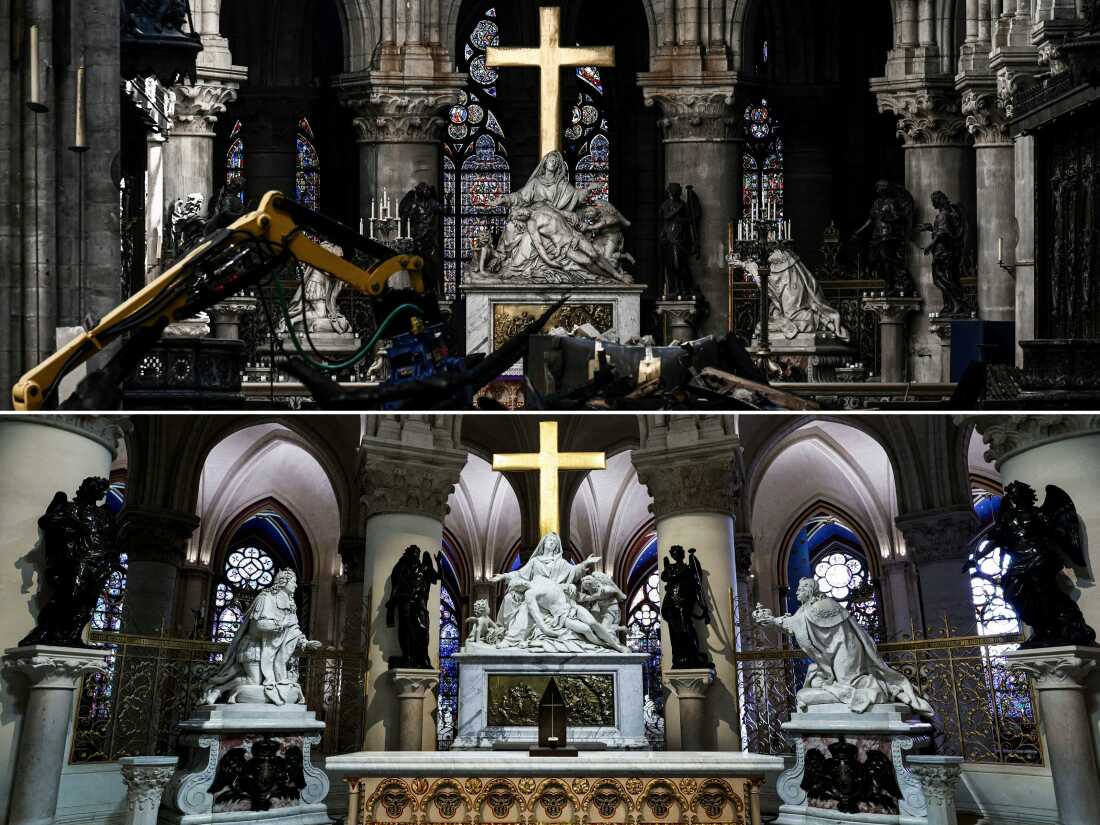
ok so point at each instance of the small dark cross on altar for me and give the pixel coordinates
(553, 724)
(549, 57)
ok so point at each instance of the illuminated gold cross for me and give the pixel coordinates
(549, 57)
(549, 462)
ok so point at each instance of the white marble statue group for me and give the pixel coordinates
(552, 605)
(553, 235)
(846, 667)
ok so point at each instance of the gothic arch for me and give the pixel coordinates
(824, 507)
(229, 530)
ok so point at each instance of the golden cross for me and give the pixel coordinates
(549, 462)
(549, 58)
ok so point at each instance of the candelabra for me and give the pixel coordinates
(758, 236)
(385, 223)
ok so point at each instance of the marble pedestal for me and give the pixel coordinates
(889, 729)
(690, 687)
(331, 344)
(495, 312)
(215, 730)
(678, 318)
(145, 778)
(413, 687)
(818, 358)
(481, 673)
(893, 315)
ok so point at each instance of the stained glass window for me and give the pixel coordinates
(475, 159)
(450, 639)
(993, 613)
(587, 141)
(762, 163)
(643, 635)
(307, 181)
(247, 571)
(234, 158)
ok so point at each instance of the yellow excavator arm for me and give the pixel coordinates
(222, 265)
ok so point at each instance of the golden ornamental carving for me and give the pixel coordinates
(509, 319)
(689, 786)
(634, 786)
(419, 785)
(526, 785)
(473, 785)
(607, 797)
(554, 796)
(581, 786)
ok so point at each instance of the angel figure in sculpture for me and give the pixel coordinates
(261, 663)
(540, 610)
(545, 239)
(602, 597)
(797, 304)
(846, 667)
(484, 631)
(313, 307)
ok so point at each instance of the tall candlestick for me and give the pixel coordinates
(1000, 250)
(372, 209)
(361, 227)
(34, 96)
(80, 144)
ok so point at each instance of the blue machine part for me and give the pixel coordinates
(415, 356)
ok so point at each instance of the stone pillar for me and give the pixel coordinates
(901, 609)
(939, 777)
(703, 150)
(398, 129)
(193, 592)
(154, 204)
(893, 336)
(269, 122)
(995, 201)
(690, 688)
(42, 454)
(404, 491)
(941, 331)
(677, 320)
(352, 551)
(156, 543)
(937, 541)
(413, 687)
(145, 778)
(189, 155)
(53, 674)
(938, 156)
(694, 480)
(1060, 674)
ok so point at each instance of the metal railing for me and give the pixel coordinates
(152, 683)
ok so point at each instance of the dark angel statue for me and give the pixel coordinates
(82, 547)
(1037, 542)
(684, 603)
(948, 246)
(410, 585)
(423, 209)
(869, 786)
(891, 223)
(679, 217)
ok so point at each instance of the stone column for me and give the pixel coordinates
(703, 149)
(154, 203)
(189, 155)
(937, 541)
(941, 331)
(897, 577)
(156, 543)
(193, 592)
(145, 778)
(694, 481)
(269, 121)
(42, 454)
(939, 777)
(892, 316)
(352, 551)
(53, 674)
(995, 200)
(1060, 674)
(404, 491)
(938, 156)
(690, 688)
(398, 129)
(413, 687)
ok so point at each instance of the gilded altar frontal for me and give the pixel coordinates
(514, 700)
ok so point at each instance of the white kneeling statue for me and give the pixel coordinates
(797, 304)
(260, 666)
(541, 611)
(846, 666)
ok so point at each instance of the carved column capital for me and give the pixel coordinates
(938, 535)
(926, 116)
(694, 114)
(985, 117)
(156, 534)
(1008, 435)
(702, 478)
(104, 429)
(938, 775)
(414, 683)
(1055, 668)
(146, 778)
(391, 110)
(401, 478)
(54, 667)
(689, 684)
(198, 107)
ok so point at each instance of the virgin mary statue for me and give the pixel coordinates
(540, 609)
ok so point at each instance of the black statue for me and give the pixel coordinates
(842, 778)
(155, 16)
(890, 222)
(1038, 542)
(410, 585)
(81, 541)
(266, 777)
(422, 208)
(947, 247)
(683, 605)
(226, 207)
(679, 239)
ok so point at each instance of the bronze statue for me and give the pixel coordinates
(890, 222)
(1038, 541)
(81, 541)
(684, 604)
(410, 585)
(422, 208)
(679, 239)
(226, 207)
(947, 247)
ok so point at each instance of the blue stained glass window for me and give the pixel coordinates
(450, 640)
(993, 613)
(762, 162)
(307, 168)
(235, 158)
(643, 635)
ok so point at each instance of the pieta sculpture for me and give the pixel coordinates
(261, 664)
(845, 666)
